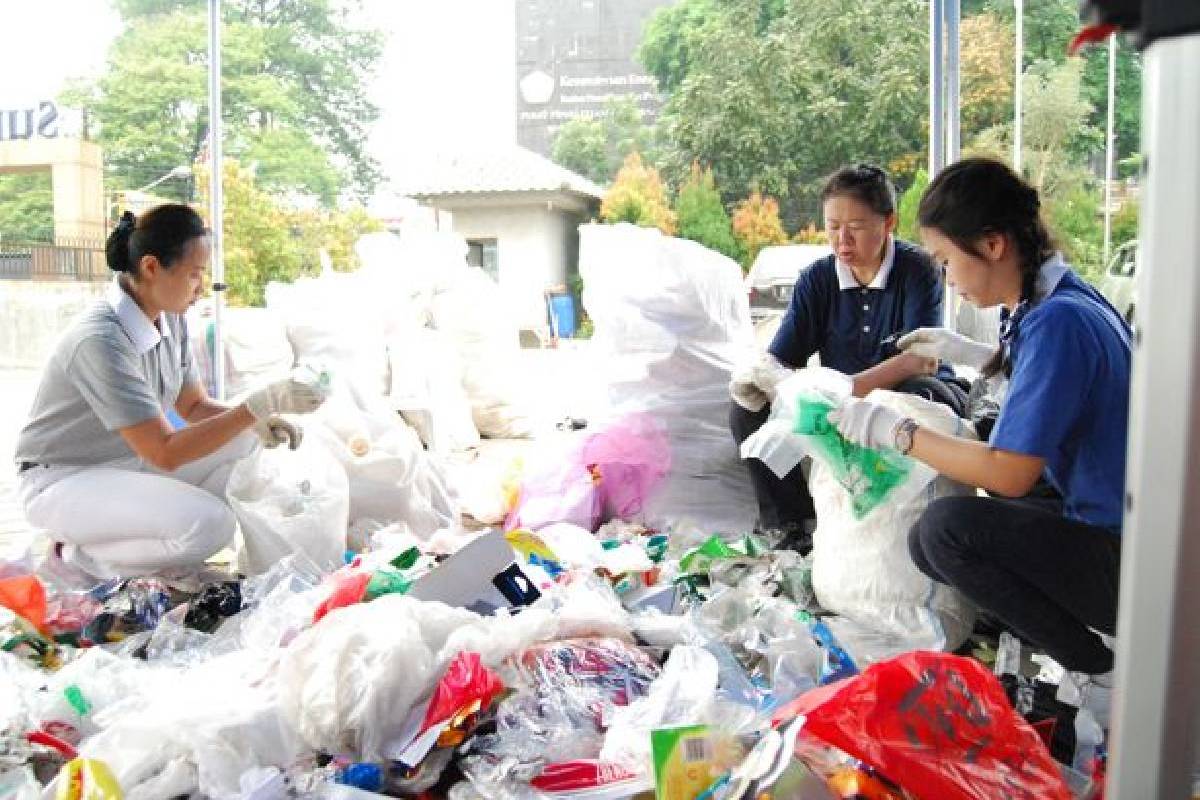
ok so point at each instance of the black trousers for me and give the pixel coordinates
(785, 502)
(1046, 578)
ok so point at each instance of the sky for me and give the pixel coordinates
(446, 77)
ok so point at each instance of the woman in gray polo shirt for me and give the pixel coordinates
(102, 471)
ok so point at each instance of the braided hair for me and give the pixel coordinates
(975, 197)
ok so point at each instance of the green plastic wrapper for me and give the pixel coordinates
(868, 475)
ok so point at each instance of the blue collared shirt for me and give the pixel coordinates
(1068, 397)
(847, 323)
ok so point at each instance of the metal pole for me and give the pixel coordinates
(1110, 147)
(937, 115)
(1157, 693)
(1018, 83)
(953, 116)
(216, 195)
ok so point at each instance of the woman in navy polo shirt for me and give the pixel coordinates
(849, 308)
(1049, 574)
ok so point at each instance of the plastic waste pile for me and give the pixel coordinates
(562, 663)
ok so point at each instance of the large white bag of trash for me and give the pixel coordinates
(427, 388)
(288, 502)
(390, 477)
(671, 320)
(254, 341)
(472, 311)
(335, 320)
(861, 566)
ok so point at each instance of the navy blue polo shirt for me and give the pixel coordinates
(832, 314)
(1068, 397)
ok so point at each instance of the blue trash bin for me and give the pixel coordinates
(562, 315)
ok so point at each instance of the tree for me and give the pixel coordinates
(596, 148)
(266, 241)
(26, 207)
(1125, 223)
(702, 217)
(1074, 218)
(756, 224)
(910, 201)
(638, 195)
(294, 93)
(987, 46)
(778, 104)
(1055, 120)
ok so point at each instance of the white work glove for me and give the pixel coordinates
(946, 345)
(866, 423)
(275, 430)
(300, 393)
(753, 385)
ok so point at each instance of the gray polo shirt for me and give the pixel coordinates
(113, 368)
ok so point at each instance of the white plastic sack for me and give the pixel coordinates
(862, 569)
(427, 388)
(474, 314)
(290, 501)
(335, 321)
(390, 477)
(671, 321)
(256, 348)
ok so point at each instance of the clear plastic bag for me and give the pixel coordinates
(288, 502)
(682, 694)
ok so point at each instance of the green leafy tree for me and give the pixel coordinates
(910, 201)
(638, 195)
(293, 93)
(702, 217)
(26, 207)
(1074, 218)
(778, 104)
(1125, 223)
(265, 240)
(596, 148)
(756, 225)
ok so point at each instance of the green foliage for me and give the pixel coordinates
(294, 93)
(266, 241)
(910, 201)
(756, 225)
(1074, 219)
(702, 217)
(778, 105)
(1125, 224)
(596, 148)
(26, 207)
(639, 196)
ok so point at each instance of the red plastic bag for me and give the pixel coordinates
(466, 681)
(26, 596)
(936, 724)
(348, 587)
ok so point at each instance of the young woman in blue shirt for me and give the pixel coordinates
(1048, 573)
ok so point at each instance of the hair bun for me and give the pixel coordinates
(116, 249)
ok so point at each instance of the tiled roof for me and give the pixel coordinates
(512, 169)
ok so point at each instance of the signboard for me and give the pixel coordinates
(573, 56)
(27, 123)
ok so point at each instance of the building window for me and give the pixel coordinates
(484, 254)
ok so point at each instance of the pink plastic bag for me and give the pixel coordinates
(632, 456)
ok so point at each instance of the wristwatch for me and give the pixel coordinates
(906, 431)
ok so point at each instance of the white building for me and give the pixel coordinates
(519, 213)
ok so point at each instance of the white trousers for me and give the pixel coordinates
(126, 518)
